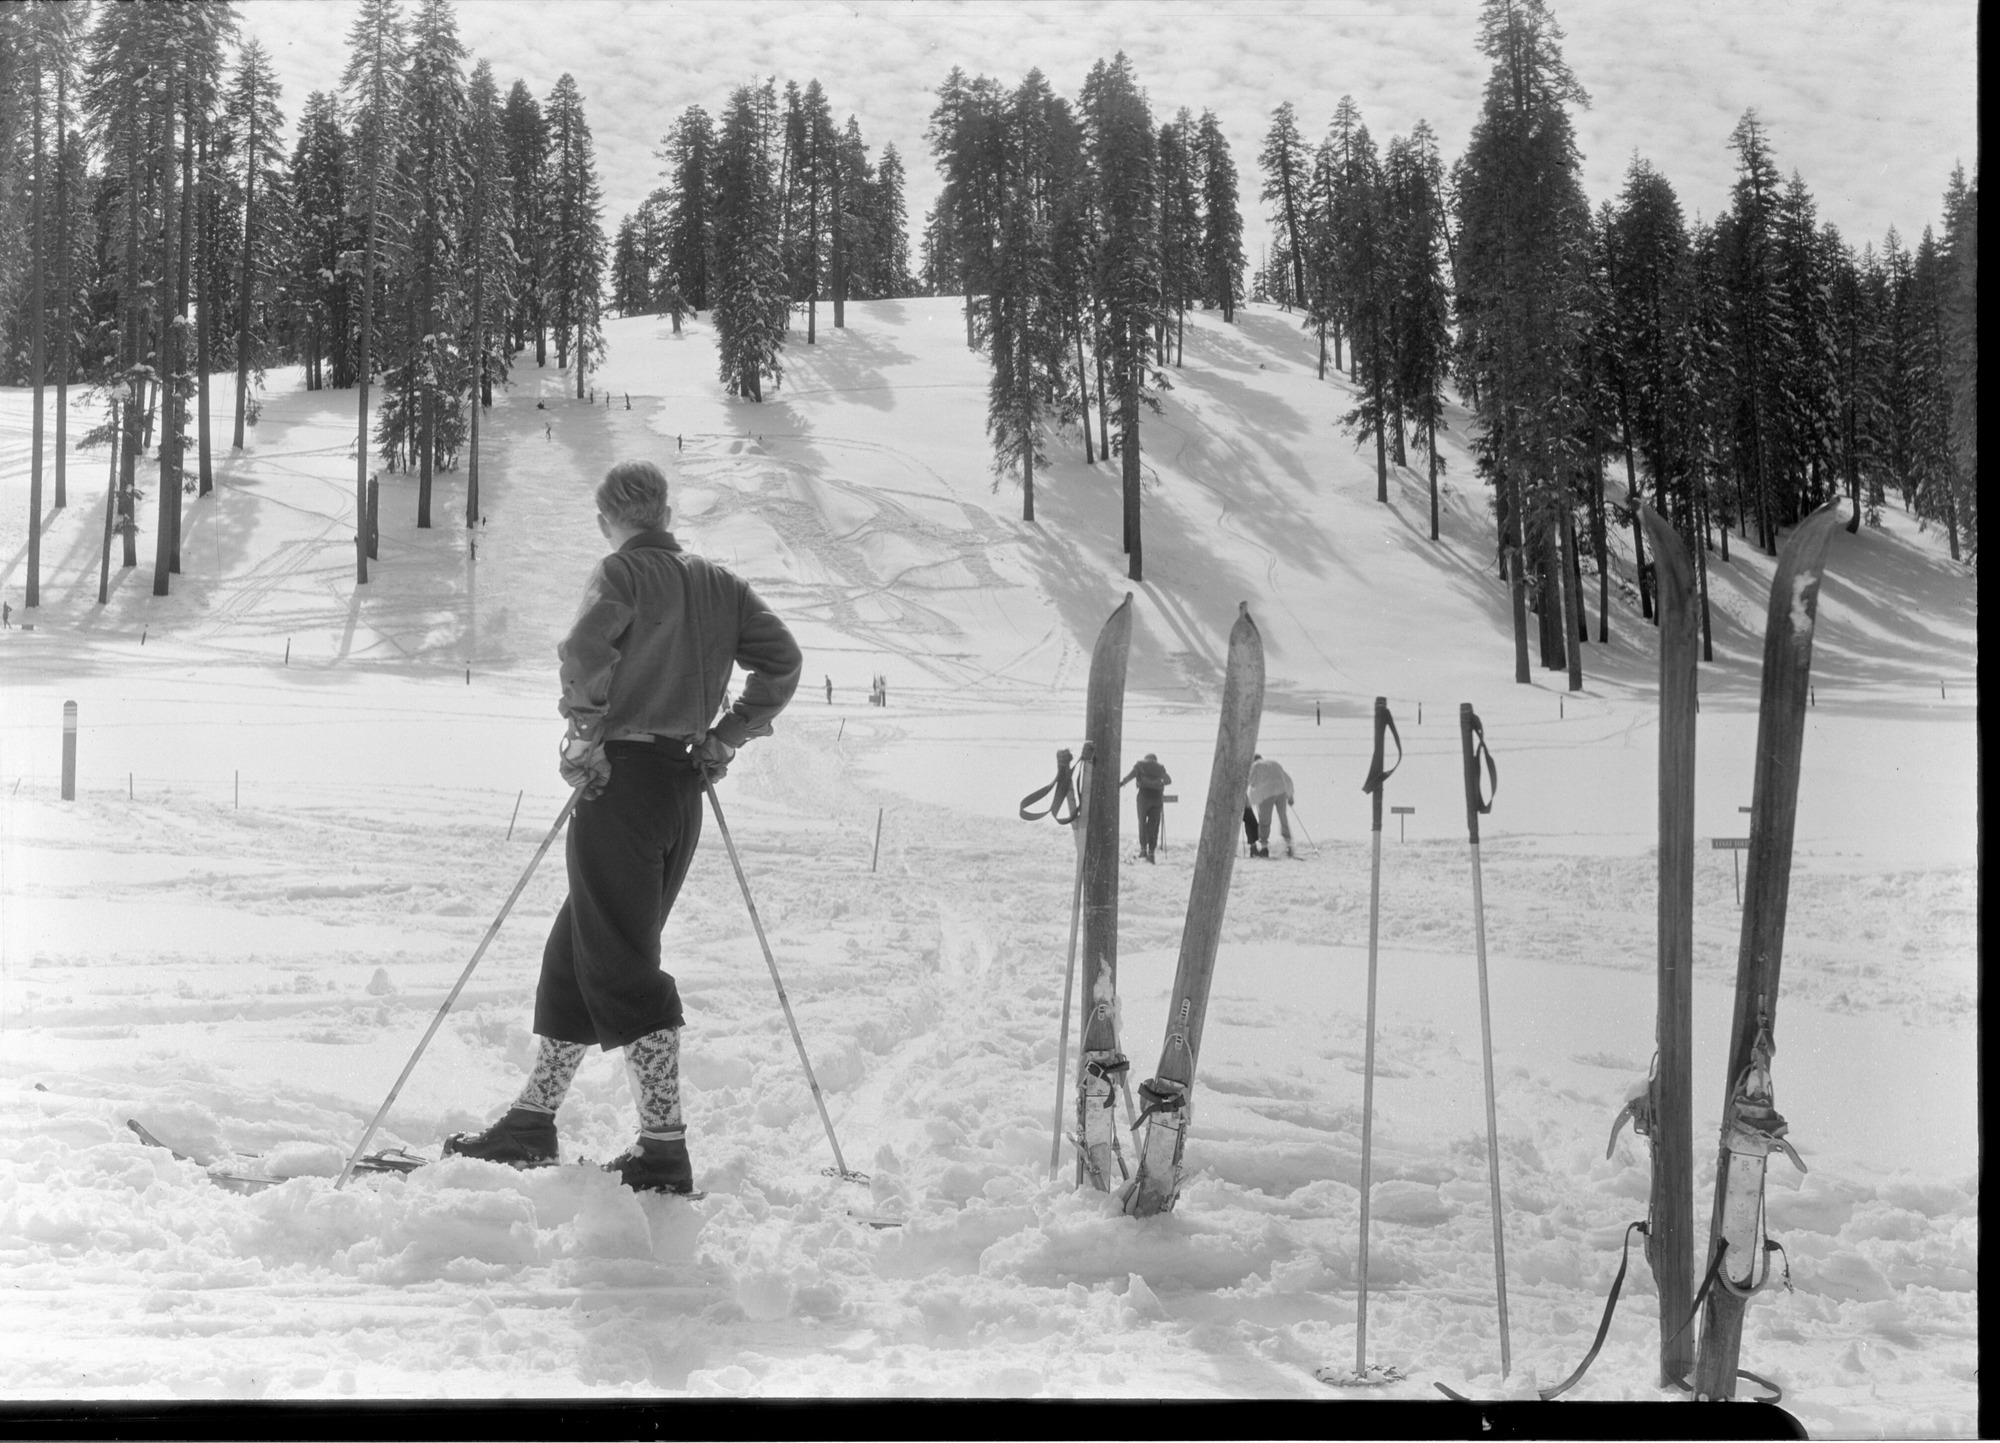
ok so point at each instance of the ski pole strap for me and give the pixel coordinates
(1472, 740)
(1707, 1282)
(1604, 1324)
(1061, 792)
(1384, 723)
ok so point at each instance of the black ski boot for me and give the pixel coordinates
(524, 1137)
(656, 1165)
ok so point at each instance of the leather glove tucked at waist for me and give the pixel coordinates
(584, 764)
(712, 754)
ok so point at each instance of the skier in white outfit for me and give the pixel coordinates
(1270, 787)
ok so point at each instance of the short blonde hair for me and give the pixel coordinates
(634, 493)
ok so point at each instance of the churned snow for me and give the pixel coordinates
(275, 869)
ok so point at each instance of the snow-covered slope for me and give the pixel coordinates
(292, 829)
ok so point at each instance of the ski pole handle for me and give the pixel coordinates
(1385, 725)
(1472, 743)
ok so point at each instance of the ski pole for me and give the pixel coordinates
(1304, 828)
(1477, 801)
(1377, 777)
(1069, 970)
(757, 925)
(459, 986)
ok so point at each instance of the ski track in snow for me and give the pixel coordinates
(249, 979)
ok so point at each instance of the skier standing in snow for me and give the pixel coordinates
(1270, 787)
(1153, 783)
(649, 653)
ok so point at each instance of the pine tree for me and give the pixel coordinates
(188, 66)
(576, 239)
(491, 260)
(1180, 232)
(889, 241)
(1028, 335)
(1520, 253)
(631, 291)
(964, 135)
(689, 150)
(1646, 246)
(1414, 192)
(1222, 220)
(431, 378)
(256, 131)
(372, 84)
(748, 294)
(322, 296)
(1287, 177)
(528, 210)
(1125, 162)
(1358, 278)
(1958, 303)
(121, 103)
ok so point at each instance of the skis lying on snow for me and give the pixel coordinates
(1169, 1093)
(393, 1159)
(1103, 1067)
(1752, 1127)
(234, 1177)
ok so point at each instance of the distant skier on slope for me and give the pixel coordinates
(1153, 783)
(1270, 787)
(650, 649)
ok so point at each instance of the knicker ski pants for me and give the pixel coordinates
(1151, 809)
(628, 851)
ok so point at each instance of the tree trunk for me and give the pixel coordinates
(1377, 391)
(1083, 394)
(246, 282)
(1701, 577)
(1632, 500)
(422, 362)
(364, 373)
(1432, 450)
(110, 507)
(205, 469)
(1129, 425)
(169, 487)
(1549, 596)
(128, 339)
(62, 289)
(1103, 413)
(1028, 473)
(183, 382)
(1573, 589)
(36, 361)
(1601, 548)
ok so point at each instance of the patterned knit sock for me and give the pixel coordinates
(654, 1063)
(555, 1064)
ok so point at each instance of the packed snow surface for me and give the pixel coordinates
(291, 830)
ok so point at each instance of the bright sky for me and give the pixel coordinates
(1871, 102)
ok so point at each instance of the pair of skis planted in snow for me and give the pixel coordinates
(1662, 1107)
(1103, 1078)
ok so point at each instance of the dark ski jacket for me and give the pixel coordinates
(650, 651)
(1151, 776)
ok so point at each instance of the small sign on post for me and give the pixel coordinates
(1733, 845)
(69, 752)
(1402, 812)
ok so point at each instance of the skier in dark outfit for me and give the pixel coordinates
(642, 669)
(1153, 783)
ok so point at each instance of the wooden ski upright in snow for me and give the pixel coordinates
(1169, 1093)
(1670, 1243)
(1752, 1128)
(1101, 1065)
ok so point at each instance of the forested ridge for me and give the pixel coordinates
(413, 233)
